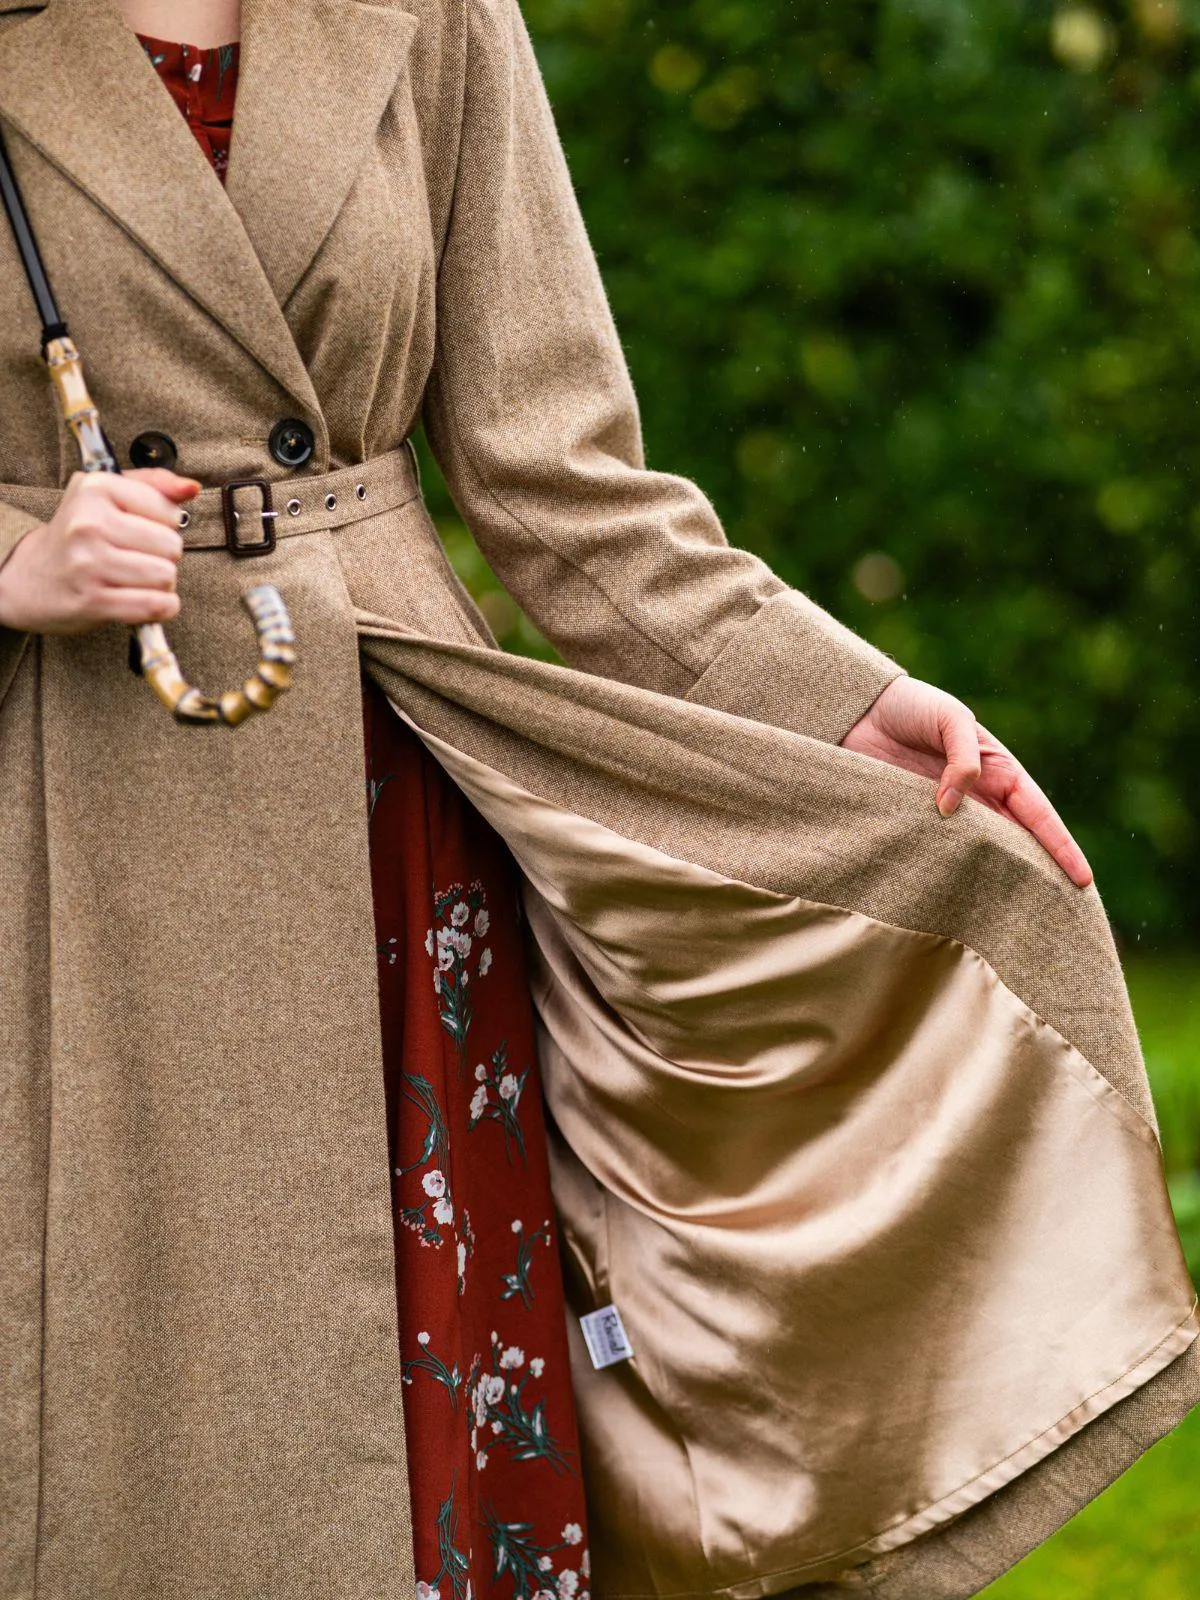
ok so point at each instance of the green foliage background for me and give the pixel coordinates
(912, 289)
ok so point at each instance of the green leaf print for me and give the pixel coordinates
(498, 1099)
(449, 1377)
(530, 1565)
(517, 1282)
(454, 1565)
(502, 1415)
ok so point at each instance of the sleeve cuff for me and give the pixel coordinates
(14, 525)
(796, 667)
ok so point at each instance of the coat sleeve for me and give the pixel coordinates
(531, 415)
(14, 525)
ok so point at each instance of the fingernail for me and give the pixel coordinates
(949, 801)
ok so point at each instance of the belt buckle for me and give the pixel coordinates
(248, 547)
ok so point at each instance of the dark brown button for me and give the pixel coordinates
(153, 450)
(291, 442)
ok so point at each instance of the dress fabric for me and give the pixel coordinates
(493, 1451)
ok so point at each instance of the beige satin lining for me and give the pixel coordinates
(882, 1239)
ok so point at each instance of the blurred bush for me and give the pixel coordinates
(912, 289)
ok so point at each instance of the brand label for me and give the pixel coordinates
(605, 1336)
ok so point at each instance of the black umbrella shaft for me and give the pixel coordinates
(52, 324)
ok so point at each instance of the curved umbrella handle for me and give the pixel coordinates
(153, 656)
(271, 677)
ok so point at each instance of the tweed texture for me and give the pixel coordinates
(198, 1386)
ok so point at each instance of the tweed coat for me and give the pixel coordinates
(849, 1119)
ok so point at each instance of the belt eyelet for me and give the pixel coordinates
(360, 490)
(185, 519)
(330, 502)
(293, 508)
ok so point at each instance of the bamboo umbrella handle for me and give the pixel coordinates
(153, 656)
(272, 675)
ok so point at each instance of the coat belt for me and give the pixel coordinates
(314, 504)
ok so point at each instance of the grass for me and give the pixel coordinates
(1140, 1540)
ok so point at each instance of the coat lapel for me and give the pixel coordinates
(314, 81)
(76, 83)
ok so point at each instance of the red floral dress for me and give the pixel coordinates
(497, 1497)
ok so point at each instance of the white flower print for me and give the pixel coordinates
(426, 1591)
(502, 1103)
(501, 1401)
(454, 911)
(572, 1533)
(585, 1564)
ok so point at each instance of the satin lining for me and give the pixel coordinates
(652, 975)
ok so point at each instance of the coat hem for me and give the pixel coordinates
(951, 1505)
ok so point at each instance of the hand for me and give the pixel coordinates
(110, 553)
(925, 730)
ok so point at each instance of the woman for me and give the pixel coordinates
(201, 1258)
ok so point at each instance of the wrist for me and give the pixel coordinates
(9, 578)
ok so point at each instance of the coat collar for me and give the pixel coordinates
(76, 83)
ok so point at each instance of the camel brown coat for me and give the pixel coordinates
(850, 1119)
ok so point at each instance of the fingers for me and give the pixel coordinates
(134, 606)
(913, 725)
(146, 537)
(1027, 805)
(132, 569)
(152, 493)
(960, 740)
(172, 484)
